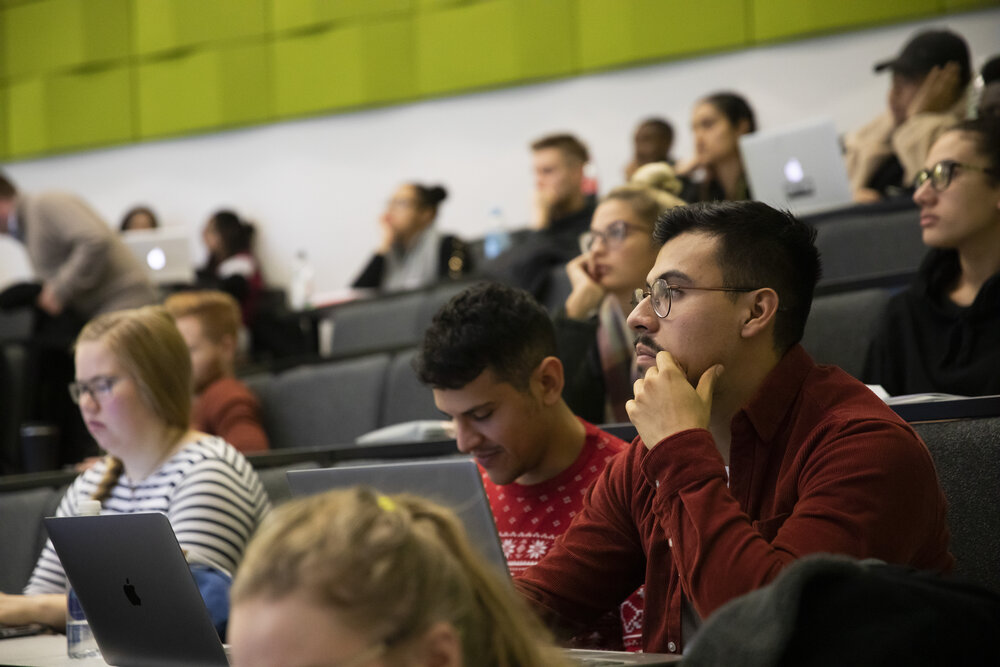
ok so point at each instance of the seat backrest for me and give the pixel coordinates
(841, 327)
(882, 248)
(557, 289)
(383, 323)
(966, 454)
(321, 404)
(14, 389)
(275, 480)
(406, 397)
(433, 299)
(21, 533)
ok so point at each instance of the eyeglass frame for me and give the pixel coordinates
(587, 238)
(947, 170)
(97, 387)
(640, 294)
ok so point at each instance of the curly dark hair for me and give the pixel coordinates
(488, 325)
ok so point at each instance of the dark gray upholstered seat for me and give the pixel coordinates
(967, 456)
(406, 398)
(376, 324)
(321, 404)
(276, 483)
(13, 390)
(841, 326)
(877, 248)
(22, 534)
(557, 289)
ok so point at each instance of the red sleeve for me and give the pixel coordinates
(597, 563)
(863, 490)
(231, 412)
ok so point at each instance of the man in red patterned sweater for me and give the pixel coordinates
(749, 455)
(490, 357)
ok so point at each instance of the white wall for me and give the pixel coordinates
(320, 184)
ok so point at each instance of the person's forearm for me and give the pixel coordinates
(47, 609)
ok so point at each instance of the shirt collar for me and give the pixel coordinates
(777, 393)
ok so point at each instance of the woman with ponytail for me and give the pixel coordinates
(133, 385)
(354, 578)
(412, 253)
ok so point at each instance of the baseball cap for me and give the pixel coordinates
(930, 49)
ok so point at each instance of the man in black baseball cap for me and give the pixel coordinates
(929, 79)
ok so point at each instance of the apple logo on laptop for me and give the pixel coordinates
(156, 259)
(130, 593)
(796, 183)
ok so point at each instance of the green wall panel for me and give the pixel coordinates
(545, 34)
(300, 14)
(204, 90)
(612, 33)
(387, 58)
(466, 47)
(90, 108)
(43, 36)
(962, 5)
(4, 116)
(27, 129)
(166, 25)
(319, 71)
(779, 19)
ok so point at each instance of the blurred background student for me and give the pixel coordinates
(412, 253)
(716, 171)
(594, 343)
(355, 578)
(133, 379)
(232, 266)
(139, 217)
(209, 321)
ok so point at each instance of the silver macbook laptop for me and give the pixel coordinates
(799, 168)
(165, 253)
(137, 590)
(453, 482)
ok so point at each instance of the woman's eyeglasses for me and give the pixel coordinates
(611, 237)
(940, 175)
(98, 388)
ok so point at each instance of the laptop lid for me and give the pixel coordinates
(165, 253)
(454, 482)
(137, 590)
(800, 168)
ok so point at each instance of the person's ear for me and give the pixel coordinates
(228, 346)
(548, 380)
(743, 127)
(440, 646)
(761, 312)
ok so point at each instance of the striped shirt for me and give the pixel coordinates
(208, 490)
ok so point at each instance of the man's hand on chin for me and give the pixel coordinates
(665, 402)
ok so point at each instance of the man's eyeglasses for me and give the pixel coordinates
(98, 388)
(940, 175)
(612, 237)
(662, 294)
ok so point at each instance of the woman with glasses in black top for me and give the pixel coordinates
(941, 335)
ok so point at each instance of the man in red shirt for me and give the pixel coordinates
(749, 455)
(490, 357)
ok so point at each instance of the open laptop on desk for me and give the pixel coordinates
(799, 168)
(454, 483)
(137, 590)
(165, 254)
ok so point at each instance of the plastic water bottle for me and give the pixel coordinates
(302, 282)
(498, 238)
(80, 642)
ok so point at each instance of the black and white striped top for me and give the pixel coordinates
(208, 490)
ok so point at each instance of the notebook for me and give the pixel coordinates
(799, 168)
(454, 482)
(137, 590)
(165, 254)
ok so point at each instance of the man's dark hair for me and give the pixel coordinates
(986, 136)
(991, 70)
(758, 247)
(662, 126)
(567, 143)
(486, 326)
(7, 189)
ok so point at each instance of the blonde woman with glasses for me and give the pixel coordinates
(351, 578)
(133, 385)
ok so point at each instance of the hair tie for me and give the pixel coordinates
(386, 503)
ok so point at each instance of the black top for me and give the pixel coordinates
(927, 343)
(711, 190)
(576, 342)
(527, 264)
(453, 263)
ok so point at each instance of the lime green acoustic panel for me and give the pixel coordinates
(781, 19)
(57, 34)
(167, 25)
(90, 108)
(318, 71)
(295, 14)
(4, 116)
(545, 37)
(962, 5)
(204, 89)
(468, 46)
(387, 58)
(27, 126)
(613, 33)
(345, 10)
